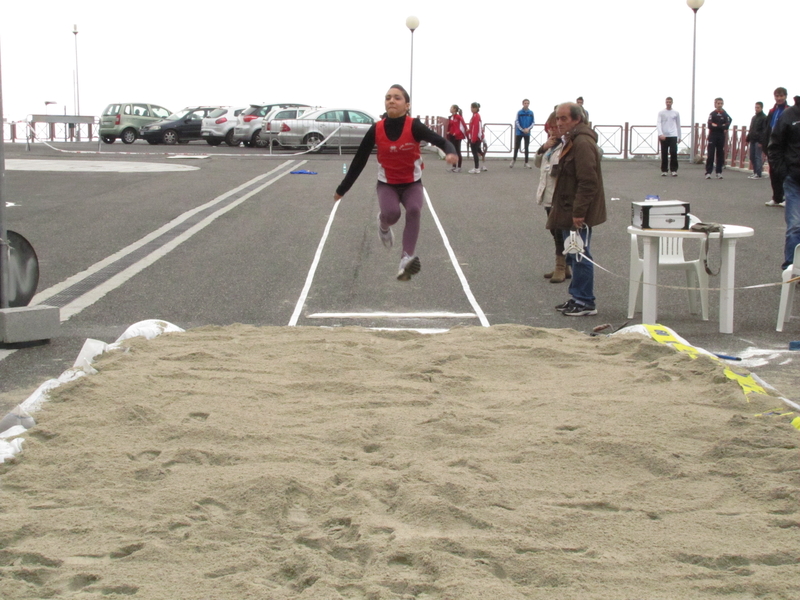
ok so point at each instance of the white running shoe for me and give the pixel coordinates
(527, 166)
(474, 170)
(674, 173)
(483, 168)
(773, 203)
(387, 237)
(409, 265)
(511, 166)
(456, 170)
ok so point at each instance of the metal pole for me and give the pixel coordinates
(411, 77)
(77, 81)
(694, 61)
(4, 278)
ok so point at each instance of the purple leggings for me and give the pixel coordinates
(390, 197)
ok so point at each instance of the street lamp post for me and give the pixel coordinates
(48, 103)
(695, 6)
(412, 23)
(77, 84)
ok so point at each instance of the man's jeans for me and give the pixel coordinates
(581, 286)
(791, 191)
(756, 158)
(669, 146)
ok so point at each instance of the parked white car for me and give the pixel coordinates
(250, 122)
(271, 125)
(350, 126)
(218, 125)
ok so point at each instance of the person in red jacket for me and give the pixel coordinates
(456, 131)
(397, 137)
(475, 134)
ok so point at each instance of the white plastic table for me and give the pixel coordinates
(727, 271)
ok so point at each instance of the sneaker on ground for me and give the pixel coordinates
(483, 168)
(511, 166)
(579, 310)
(773, 203)
(719, 175)
(565, 305)
(528, 166)
(474, 170)
(708, 175)
(663, 173)
(674, 173)
(387, 237)
(754, 176)
(409, 265)
(456, 169)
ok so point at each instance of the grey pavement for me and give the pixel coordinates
(250, 264)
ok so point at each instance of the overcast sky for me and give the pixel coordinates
(623, 56)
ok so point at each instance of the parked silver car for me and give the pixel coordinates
(271, 125)
(350, 125)
(218, 125)
(250, 123)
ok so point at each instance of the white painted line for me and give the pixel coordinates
(91, 166)
(475, 306)
(392, 315)
(120, 278)
(310, 277)
(418, 330)
(59, 287)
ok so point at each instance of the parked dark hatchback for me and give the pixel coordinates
(179, 128)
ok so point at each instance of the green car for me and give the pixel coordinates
(125, 119)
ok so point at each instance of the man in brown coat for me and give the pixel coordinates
(579, 203)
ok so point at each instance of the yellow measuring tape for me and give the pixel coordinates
(749, 385)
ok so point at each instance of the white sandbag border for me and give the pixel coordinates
(19, 420)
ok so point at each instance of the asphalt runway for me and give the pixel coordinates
(234, 240)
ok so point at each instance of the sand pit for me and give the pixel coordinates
(496, 463)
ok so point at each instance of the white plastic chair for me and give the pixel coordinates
(670, 257)
(787, 290)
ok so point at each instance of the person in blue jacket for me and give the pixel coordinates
(522, 130)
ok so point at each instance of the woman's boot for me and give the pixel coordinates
(559, 274)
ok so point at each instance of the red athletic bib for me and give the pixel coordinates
(399, 160)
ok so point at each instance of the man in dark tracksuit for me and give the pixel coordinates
(775, 113)
(718, 124)
(784, 159)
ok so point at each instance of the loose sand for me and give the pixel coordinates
(496, 463)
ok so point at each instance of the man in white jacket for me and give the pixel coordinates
(669, 132)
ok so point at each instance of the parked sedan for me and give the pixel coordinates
(349, 124)
(251, 120)
(178, 128)
(272, 126)
(218, 125)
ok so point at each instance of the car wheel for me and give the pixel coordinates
(128, 136)
(229, 138)
(152, 142)
(313, 141)
(170, 136)
(257, 141)
(109, 139)
(213, 142)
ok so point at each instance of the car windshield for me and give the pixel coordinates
(181, 114)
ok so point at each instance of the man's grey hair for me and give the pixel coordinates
(576, 112)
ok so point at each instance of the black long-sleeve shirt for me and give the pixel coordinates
(394, 129)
